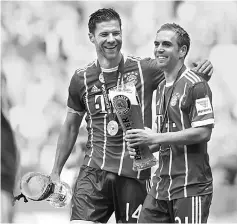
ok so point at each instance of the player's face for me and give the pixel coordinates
(107, 39)
(166, 50)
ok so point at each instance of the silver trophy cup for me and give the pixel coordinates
(37, 187)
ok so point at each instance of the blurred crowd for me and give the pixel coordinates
(44, 42)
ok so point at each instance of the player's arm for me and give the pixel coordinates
(66, 141)
(70, 128)
(188, 136)
(136, 137)
(201, 118)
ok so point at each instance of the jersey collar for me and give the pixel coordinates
(111, 69)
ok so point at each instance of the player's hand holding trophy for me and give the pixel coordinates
(128, 110)
(37, 187)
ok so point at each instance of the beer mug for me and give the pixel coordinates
(37, 187)
(128, 110)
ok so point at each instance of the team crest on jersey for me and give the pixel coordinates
(131, 78)
(122, 104)
(203, 106)
(95, 89)
(174, 99)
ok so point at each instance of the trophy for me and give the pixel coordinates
(128, 110)
(37, 187)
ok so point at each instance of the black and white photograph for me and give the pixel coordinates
(118, 112)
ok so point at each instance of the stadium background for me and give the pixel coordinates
(43, 42)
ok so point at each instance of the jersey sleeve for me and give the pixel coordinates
(75, 102)
(201, 105)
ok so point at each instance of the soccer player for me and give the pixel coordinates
(182, 187)
(106, 182)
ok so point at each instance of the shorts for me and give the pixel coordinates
(184, 210)
(98, 193)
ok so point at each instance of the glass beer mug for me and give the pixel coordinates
(37, 187)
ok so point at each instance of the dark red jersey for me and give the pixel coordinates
(184, 170)
(85, 96)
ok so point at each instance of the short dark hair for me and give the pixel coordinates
(102, 15)
(182, 35)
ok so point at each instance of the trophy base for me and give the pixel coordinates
(143, 165)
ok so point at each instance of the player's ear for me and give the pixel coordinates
(183, 51)
(91, 37)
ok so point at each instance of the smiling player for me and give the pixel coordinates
(182, 187)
